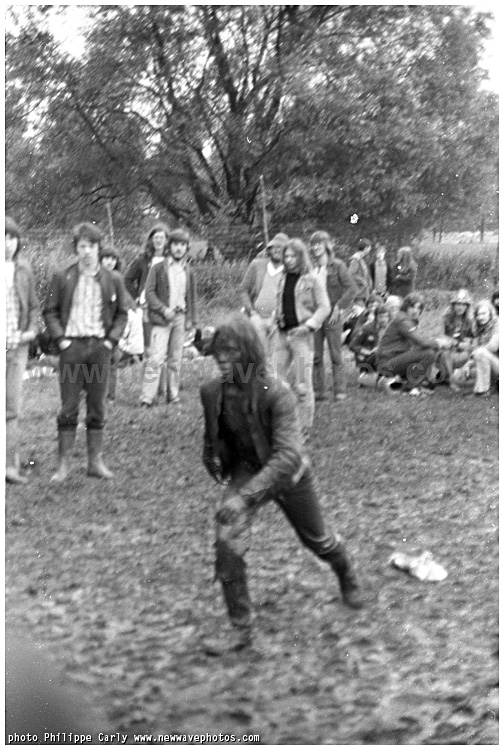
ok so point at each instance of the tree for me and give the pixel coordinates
(180, 109)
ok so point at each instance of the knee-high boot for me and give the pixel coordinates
(340, 561)
(12, 474)
(231, 571)
(66, 441)
(96, 467)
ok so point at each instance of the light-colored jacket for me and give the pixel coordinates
(252, 282)
(310, 299)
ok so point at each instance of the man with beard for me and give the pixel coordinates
(253, 446)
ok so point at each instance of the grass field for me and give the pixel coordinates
(116, 579)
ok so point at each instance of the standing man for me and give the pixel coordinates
(359, 270)
(253, 445)
(302, 307)
(85, 313)
(21, 325)
(340, 288)
(170, 291)
(259, 288)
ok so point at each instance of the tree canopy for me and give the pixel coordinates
(376, 111)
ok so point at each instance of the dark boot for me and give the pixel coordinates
(341, 563)
(66, 442)
(239, 610)
(96, 467)
(231, 571)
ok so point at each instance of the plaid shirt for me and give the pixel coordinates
(86, 314)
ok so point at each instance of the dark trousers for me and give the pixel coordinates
(333, 333)
(413, 366)
(301, 506)
(84, 366)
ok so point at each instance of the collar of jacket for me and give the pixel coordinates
(261, 444)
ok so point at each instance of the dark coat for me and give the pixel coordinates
(136, 275)
(340, 285)
(29, 308)
(157, 294)
(274, 430)
(58, 303)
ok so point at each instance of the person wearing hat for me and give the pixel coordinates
(340, 288)
(170, 291)
(359, 269)
(259, 288)
(21, 323)
(458, 325)
(85, 314)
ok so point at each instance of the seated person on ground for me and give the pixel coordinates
(458, 325)
(406, 353)
(393, 304)
(484, 362)
(365, 344)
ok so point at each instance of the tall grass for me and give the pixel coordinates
(441, 269)
(473, 266)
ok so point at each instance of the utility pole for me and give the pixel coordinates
(265, 219)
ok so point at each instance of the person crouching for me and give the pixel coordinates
(253, 446)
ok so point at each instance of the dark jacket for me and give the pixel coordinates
(403, 281)
(368, 337)
(340, 286)
(389, 275)
(275, 433)
(401, 336)
(29, 308)
(157, 294)
(359, 271)
(58, 303)
(136, 275)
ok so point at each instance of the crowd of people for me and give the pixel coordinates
(259, 412)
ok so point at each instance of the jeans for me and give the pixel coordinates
(300, 505)
(265, 330)
(333, 333)
(487, 364)
(84, 366)
(413, 366)
(167, 342)
(292, 359)
(15, 366)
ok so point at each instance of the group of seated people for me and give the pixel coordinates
(391, 353)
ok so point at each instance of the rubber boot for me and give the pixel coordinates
(96, 467)
(341, 563)
(239, 609)
(12, 474)
(66, 442)
(230, 569)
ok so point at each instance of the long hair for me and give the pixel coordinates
(324, 238)
(110, 251)
(148, 246)
(12, 228)
(483, 333)
(238, 329)
(301, 251)
(411, 300)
